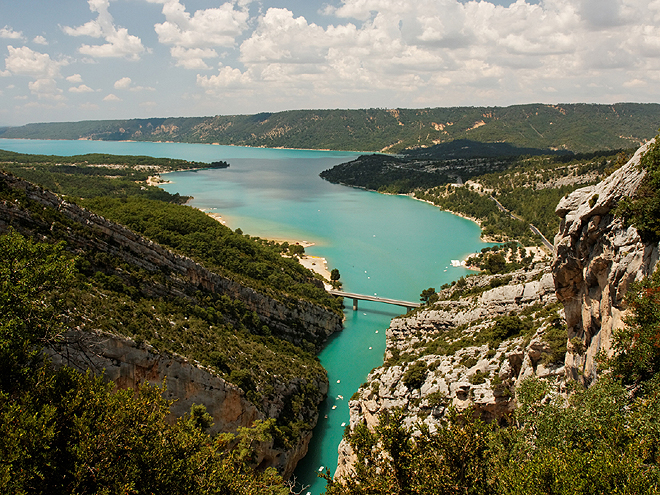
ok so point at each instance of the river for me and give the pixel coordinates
(390, 246)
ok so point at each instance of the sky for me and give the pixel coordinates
(71, 60)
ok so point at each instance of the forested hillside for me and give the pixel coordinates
(242, 312)
(529, 187)
(524, 128)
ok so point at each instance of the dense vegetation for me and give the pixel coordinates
(502, 258)
(216, 330)
(643, 211)
(64, 432)
(574, 127)
(598, 440)
(527, 188)
(115, 187)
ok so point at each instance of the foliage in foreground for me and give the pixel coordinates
(600, 440)
(64, 432)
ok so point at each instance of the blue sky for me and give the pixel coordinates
(70, 60)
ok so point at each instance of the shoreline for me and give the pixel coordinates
(316, 264)
(461, 215)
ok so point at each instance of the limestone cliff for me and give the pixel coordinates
(575, 304)
(596, 259)
(457, 352)
(129, 364)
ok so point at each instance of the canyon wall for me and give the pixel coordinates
(596, 259)
(128, 363)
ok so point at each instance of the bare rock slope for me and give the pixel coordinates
(596, 259)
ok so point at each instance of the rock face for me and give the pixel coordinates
(596, 259)
(128, 364)
(447, 354)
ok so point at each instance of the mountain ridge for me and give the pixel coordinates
(572, 127)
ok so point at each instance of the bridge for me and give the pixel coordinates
(363, 297)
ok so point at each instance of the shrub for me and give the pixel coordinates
(415, 375)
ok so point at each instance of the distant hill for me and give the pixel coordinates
(571, 127)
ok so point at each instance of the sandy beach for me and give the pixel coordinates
(314, 263)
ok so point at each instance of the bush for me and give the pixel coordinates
(415, 375)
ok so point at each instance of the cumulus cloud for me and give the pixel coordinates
(192, 58)
(46, 89)
(194, 37)
(118, 42)
(112, 97)
(27, 62)
(83, 88)
(40, 40)
(75, 79)
(24, 61)
(446, 50)
(8, 33)
(123, 83)
(126, 83)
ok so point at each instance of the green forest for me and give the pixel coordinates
(568, 127)
(529, 187)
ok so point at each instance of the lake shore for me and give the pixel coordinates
(316, 264)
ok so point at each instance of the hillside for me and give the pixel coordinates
(570, 127)
(505, 194)
(230, 322)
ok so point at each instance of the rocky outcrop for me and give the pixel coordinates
(451, 354)
(294, 320)
(596, 259)
(128, 364)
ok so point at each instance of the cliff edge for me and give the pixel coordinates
(596, 258)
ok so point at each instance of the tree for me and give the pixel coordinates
(334, 278)
(33, 279)
(426, 294)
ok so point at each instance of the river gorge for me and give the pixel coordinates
(390, 246)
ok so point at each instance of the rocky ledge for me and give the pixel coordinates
(597, 257)
(468, 349)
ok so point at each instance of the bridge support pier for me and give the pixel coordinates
(355, 304)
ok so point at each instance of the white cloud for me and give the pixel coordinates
(83, 88)
(26, 62)
(46, 88)
(634, 83)
(123, 83)
(75, 79)
(40, 40)
(226, 78)
(118, 42)
(192, 58)
(112, 97)
(445, 51)
(8, 33)
(194, 37)
(142, 88)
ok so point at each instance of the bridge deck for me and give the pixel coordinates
(363, 297)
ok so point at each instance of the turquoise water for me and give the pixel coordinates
(392, 246)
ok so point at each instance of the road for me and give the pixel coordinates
(536, 231)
